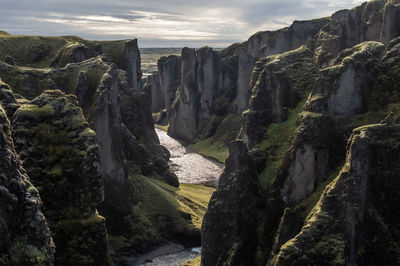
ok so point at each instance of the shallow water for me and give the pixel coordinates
(170, 254)
(190, 167)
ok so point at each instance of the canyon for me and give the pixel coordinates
(300, 129)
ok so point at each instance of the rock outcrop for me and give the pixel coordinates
(212, 86)
(371, 21)
(278, 84)
(184, 109)
(24, 235)
(157, 96)
(236, 201)
(169, 69)
(347, 226)
(308, 211)
(52, 127)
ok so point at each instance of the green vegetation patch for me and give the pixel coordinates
(212, 149)
(193, 262)
(276, 143)
(162, 212)
(217, 146)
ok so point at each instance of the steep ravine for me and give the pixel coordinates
(190, 168)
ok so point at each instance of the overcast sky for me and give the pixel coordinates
(161, 23)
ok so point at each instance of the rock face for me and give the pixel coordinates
(236, 201)
(372, 21)
(214, 86)
(317, 200)
(107, 125)
(157, 95)
(24, 235)
(184, 115)
(341, 228)
(278, 84)
(169, 69)
(52, 126)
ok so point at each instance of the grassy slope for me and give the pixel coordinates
(163, 212)
(217, 146)
(193, 262)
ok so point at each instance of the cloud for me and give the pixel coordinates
(160, 23)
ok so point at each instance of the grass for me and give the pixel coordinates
(163, 128)
(217, 146)
(193, 262)
(192, 199)
(211, 148)
(276, 143)
(161, 211)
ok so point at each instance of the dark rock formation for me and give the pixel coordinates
(184, 110)
(371, 21)
(24, 236)
(8, 99)
(236, 201)
(347, 227)
(296, 129)
(9, 60)
(107, 125)
(82, 90)
(52, 127)
(278, 84)
(169, 69)
(219, 81)
(157, 95)
(138, 181)
(130, 62)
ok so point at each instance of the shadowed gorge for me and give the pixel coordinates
(280, 150)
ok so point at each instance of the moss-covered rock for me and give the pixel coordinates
(279, 83)
(371, 21)
(24, 235)
(52, 128)
(229, 241)
(299, 156)
(337, 231)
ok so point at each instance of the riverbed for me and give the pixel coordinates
(169, 255)
(190, 167)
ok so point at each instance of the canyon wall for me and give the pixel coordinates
(319, 130)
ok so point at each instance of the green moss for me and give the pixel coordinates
(162, 211)
(163, 128)
(217, 146)
(276, 142)
(22, 253)
(193, 262)
(31, 110)
(212, 149)
(305, 207)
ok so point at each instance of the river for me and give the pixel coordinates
(190, 167)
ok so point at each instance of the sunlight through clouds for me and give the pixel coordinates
(158, 23)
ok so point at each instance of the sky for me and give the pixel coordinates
(161, 23)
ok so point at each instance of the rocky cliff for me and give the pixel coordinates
(316, 197)
(228, 72)
(52, 127)
(119, 168)
(24, 233)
